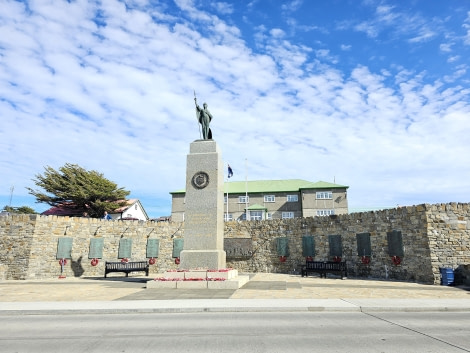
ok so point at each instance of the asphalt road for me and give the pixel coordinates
(238, 332)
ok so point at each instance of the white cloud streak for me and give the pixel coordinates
(111, 88)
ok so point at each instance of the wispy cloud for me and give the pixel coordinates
(112, 89)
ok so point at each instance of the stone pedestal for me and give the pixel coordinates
(204, 208)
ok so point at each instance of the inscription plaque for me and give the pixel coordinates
(282, 246)
(395, 243)
(64, 248)
(363, 244)
(238, 247)
(96, 248)
(336, 247)
(177, 247)
(125, 248)
(152, 247)
(308, 246)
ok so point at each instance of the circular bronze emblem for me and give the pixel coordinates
(200, 180)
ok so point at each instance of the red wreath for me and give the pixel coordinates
(152, 261)
(63, 262)
(177, 260)
(124, 260)
(94, 262)
(309, 258)
(365, 260)
(337, 259)
(282, 258)
(396, 260)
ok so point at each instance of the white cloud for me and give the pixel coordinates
(116, 95)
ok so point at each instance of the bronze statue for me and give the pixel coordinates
(204, 117)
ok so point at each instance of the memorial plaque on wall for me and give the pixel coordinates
(308, 246)
(152, 247)
(64, 248)
(282, 246)
(177, 247)
(96, 248)
(125, 248)
(336, 247)
(363, 244)
(395, 243)
(238, 247)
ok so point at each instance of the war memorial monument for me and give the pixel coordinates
(203, 259)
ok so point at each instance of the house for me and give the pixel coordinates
(271, 199)
(133, 210)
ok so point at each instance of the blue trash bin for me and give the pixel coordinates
(447, 276)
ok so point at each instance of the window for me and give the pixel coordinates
(325, 195)
(225, 199)
(269, 198)
(269, 215)
(287, 215)
(228, 217)
(256, 215)
(243, 199)
(325, 212)
(292, 198)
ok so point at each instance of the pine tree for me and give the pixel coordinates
(79, 190)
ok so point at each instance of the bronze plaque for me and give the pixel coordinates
(64, 248)
(125, 248)
(363, 244)
(238, 247)
(152, 247)
(395, 243)
(96, 248)
(336, 247)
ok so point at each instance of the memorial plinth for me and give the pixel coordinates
(203, 259)
(204, 208)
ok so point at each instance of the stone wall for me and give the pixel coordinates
(28, 244)
(434, 236)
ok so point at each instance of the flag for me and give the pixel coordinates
(230, 171)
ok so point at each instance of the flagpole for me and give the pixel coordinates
(226, 179)
(246, 191)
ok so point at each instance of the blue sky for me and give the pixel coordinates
(369, 94)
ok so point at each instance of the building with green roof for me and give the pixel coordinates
(271, 199)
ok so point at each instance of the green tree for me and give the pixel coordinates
(22, 210)
(78, 189)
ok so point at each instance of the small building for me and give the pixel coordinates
(274, 199)
(133, 210)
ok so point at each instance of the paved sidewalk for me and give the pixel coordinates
(264, 292)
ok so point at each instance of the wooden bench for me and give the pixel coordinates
(324, 267)
(126, 267)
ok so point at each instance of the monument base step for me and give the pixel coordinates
(199, 279)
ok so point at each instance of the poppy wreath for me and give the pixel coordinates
(396, 260)
(124, 260)
(152, 261)
(365, 260)
(309, 258)
(177, 260)
(282, 258)
(94, 262)
(63, 262)
(337, 259)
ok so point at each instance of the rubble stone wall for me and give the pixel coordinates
(433, 237)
